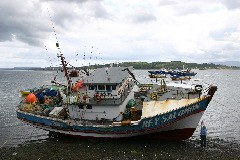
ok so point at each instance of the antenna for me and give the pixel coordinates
(64, 63)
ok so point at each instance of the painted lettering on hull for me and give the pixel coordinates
(162, 119)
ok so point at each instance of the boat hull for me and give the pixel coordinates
(177, 132)
(179, 124)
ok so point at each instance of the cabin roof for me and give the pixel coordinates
(113, 75)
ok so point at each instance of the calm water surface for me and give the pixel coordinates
(222, 116)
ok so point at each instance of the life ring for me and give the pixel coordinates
(97, 97)
(154, 96)
(198, 88)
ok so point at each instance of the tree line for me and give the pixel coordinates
(155, 65)
(167, 65)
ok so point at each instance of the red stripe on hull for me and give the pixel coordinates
(172, 135)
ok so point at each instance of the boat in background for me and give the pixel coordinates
(180, 75)
(175, 75)
(179, 78)
(185, 73)
(111, 103)
(158, 74)
(25, 92)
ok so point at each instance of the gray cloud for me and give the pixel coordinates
(69, 1)
(28, 21)
(65, 16)
(21, 21)
(191, 9)
(186, 7)
(231, 4)
(99, 10)
(143, 17)
(232, 47)
(167, 2)
(222, 34)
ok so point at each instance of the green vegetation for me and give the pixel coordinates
(143, 65)
(171, 65)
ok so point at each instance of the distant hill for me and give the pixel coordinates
(228, 63)
(151, 65)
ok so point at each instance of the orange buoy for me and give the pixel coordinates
(74, 88)
(31, 98)
(79, 84)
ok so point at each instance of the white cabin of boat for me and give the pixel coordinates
(107, 92)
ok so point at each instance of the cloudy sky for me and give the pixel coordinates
(104, 31)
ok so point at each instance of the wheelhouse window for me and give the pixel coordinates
(91, 87)
(89, 106)
(114, 87)
(108, 88)
(101, 87)
(80, 106)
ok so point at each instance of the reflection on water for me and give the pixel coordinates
(222, 117)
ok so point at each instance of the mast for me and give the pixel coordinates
(64, 64)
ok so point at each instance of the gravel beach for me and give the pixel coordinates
(70, 148)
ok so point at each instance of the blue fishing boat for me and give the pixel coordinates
(182, 73)
(158, 74)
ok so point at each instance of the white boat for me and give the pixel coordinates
(111, 103)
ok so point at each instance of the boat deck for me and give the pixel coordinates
(153, 108)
